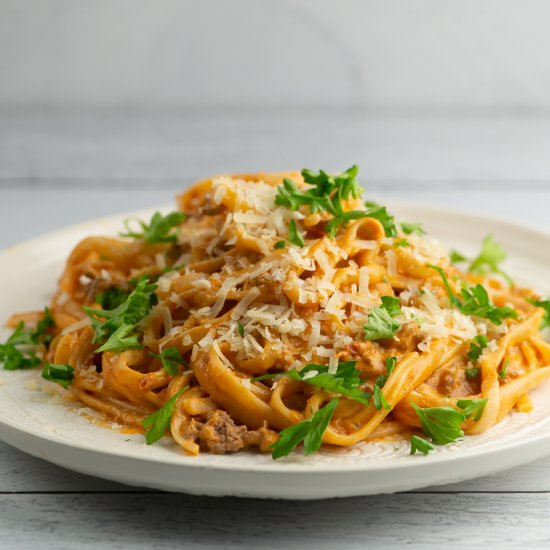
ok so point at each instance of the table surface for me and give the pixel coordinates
(58, 168)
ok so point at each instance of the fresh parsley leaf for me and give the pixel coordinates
(390, 367)
(310, 431)
(158, 422)
(160, 229)
(442, 424)
(111, 298)
(280, 244)
(115, 328)
(121, 339)
(544, 304)
(502, 373)
(473, 408)
(381, 214)
(457, 257)
(15, 358)
(472, 372)
(345, 380)
(325, 195)
(409, 228)
(421, 445)
(379, 399)
(477, 345)
(380, 321)
(401, 243)
(294, 236)
(240, 329)
(62, 374)
(488, 260)
(475, 301)
(171, 360)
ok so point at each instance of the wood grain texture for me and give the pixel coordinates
(173, 521)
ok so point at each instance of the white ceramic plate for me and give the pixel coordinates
(47, 429)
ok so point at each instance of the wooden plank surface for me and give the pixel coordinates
(58, 169)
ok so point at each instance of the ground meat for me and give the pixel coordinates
(370, 358)
(220, 434)
(407, 339)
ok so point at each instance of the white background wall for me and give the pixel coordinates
(405, 55)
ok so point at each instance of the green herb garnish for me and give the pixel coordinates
(345, 380)
(171, 360)
(421, 445)
(473, 408)
(410, 228)
(111, 298)
(310, 431)
(294, 235)
(240, 329)
(472, 372)
(390, 367)
(502, 373)
(161, 229)
(381, 214)
(477, 345)
(379, 399)
(116, 328)
(280, 244)
(62, 374)
(157, 423)
(380, 322)
(544, 304)
(475, 301)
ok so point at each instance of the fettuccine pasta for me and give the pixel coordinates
(272, 310)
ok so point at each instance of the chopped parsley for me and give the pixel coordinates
(171, 360)
(344, 381)
(19, 350)
(160, 229)
(502, 373)
(390, 367)
(421, 445)
(379, 399)
(381, 214)
(116, 328)
(410, 228)
(487, 261)
(544, 304)
(111, 298)
(477, 345)
(280, 244)
(310, 431)
(62, 374)
(240, 329)
(157, 423)
(294, 235)
(325, 195)
(443, 424)
(381, 323)
(475, 301)
(403, 243)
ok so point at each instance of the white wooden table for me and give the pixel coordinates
(61, 168)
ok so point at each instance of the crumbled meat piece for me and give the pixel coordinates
(263, 438)
(221, 435)
(370, 359)
(407, 339)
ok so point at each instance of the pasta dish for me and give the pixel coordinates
(279, 311)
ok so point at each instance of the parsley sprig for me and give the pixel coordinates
(381, 323)
(116, 328)
(544, 304)
(171, 360)
(410, 228)
(157, 423)
(475, 301)
(326, 195)
(62, 374)
(160, 229)
(19, 350)
(421, 445)
(310, 431)
(443, 424)
(477, 345)
(381, 214)
(487, 261)
(344, 381)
